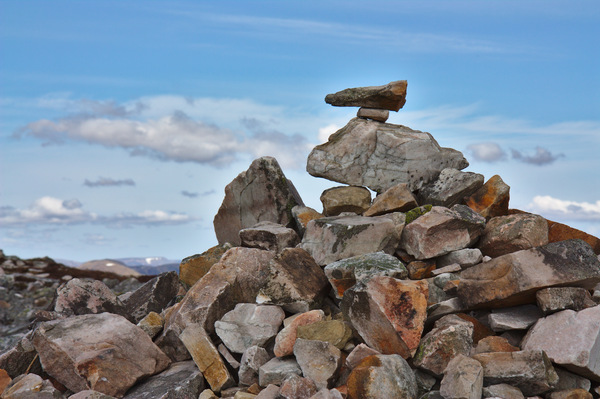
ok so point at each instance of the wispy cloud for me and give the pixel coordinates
(541, 157)
(551, 207)
(107, 182)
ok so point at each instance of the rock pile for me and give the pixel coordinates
(434, 289)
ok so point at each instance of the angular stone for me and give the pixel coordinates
(152, 324)
(153, 296)
(374, 155)
(335, 332)
(207, 358)
(515, 318)
(495, 343)
(514, 278)
(252, 359)
(555, 299)
(453, 268)
(79, 297)
(261, 193)
(302, 215)
(418, 269)
(333, 238)
(568, 380)
(450, 188)
(450, 337)
(344, 273)
(382, 376)
(16, 360)
(345, 199)
(285, 339)
(358, 354)
(530, 371)
(391, 96)
(181, 380)
(570, 394)
(463, 379)
(248, 325)
(506, 234)
(561, 232)
(269, 236)
(441, 231)
(296, 387)
(30, 386)
(270, 392)
(319, 360)
(208, 394)
(228, 357)
(464, 257)
(397, 198)
(103, 352)
(377, 114)
(193, 268)
(276, 370)
(389, 314)
(491, 199)
(570, 339)
(502, 391)
(243, 395)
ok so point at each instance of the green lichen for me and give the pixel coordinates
(344, 233)
(414, 213)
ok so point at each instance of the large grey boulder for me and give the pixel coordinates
(450, 188)
(380, 155)
(391, 96)
(261, 193)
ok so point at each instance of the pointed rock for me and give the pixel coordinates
(450, 188)
(506, 234)
(374, 155)
(261, 193)
(555, 299)
(193, 268)
(181, 380)
(491, 199)
(269, 236)
(463, 379)
(320, 361)
(391, 96)
(153, 296)
(397, 198)
(382, 376)
(345, 199)
(285, 339)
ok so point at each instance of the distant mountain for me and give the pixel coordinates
(66, 262)
(149, 261)
(109, 265)
(154, 270)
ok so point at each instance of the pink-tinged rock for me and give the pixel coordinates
(397, 198)
(181, 380)
(358, 354)
(491, 199)
(511, 233)
(320, 361)
(391, 96)
(333, 238)
(30, 386)
(296, 387)
(78, 297)
(276, 370)
(270, 392)
(382, 376)
(228, 357)
(450, 188)
(285, 339)
(463, 379)
(441, 231)
(327, 394)
(252, 359)
(530, 371)
(570, 339)
(353, 199)
(377, 114)
(269, 236)
(103, 352)
(513, 279)
(389, 314)
(261, 193)
(555, 299)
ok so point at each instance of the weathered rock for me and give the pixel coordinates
(261, 193)
(441, 231)
(463, 379)
(397, 198)
(379, 115)
(450, 188)
(494, 343)
(491, 199)
(453, 268)
(90, 394)
(570, 394)
(103, 352)
(31, 386)
(207, 358)
(570, 339)
(228, 357)
(391, 96)
(443, 308)
(358, 354)
(327, 394)
(152, 324)
(192, 268)
(79, 297)
(554, 299)
(389, 314)
(16, 360)
(297, 387)
(450, 337)
(319, 360)
(252, 359)
(464, 257)
(506, 234)
(514, 278)
(270, 392)
(345, 199)
(515, 318)
(415, 213)
(153, 296)
(382, 376)
(302, 215)
(374, 155)
(333, 238)
(276, 370)
(285, 339)
(335, 332)
(418, 269)
(561, 232)
(269, 236)
(243, 395)
(344, 273)
(502, 391)
(529, 370)
(181, 380)
(568, 380)
(248, 325)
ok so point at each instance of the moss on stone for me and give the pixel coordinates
(414, 213)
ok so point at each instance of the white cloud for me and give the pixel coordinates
(564, 209)
(107, 181)
(327, 131)
(487, 152)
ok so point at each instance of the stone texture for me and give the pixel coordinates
(374, 155)
(276, 370)
(418, 269)
(248, 325)
(327, 394)
(555, 299)
(335, 332)
(502, 391)
(515, 318)
(453, 268)
(389, 314)
(570, 339)
(90, 394)
(302, 215)
(495, 343)
(252, 359)
(491, 199)
(319, 360)
(358, 354)
(345, 199)
(228, 357)
(391, 96)
(31, 386)
(450, 188)
(382, 376)
(79, 297)
(269, 236)
(270, 392)
(511, 233)
(397, 198)
(103, 352)
(464, 257)
(568, 380)
(193, 268)
(379, 115)
(344, 273)
(333, 238)
(261, 193)
(441, 231)
(463, 379)
(570, 394)
(207, 358)
(530, 370)
(285, 339)
(560, 232)
(296, 387)
(16, 360)
(153, 296)
(514, 278)
(152, 324)
(181, 380)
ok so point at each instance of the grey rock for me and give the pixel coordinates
(252, 359)
(391, 96)
(515, 318)
(568, 380)
(463, 379)
(466, 258)
(15, 361)
(181, 380)
(320, 361)
(24, 386)
(511, 233)
(337, 200)
(555, 299)
(228, 357)
(270, 392)
(153, 296)
(450, 188)
(78, 297)
(327, 394)
(269, 236)
(453, 268)
(276, 370)
(379, 115)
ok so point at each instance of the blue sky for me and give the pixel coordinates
(121, 122)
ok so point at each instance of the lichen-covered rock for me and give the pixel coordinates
(152, 324)
(79, 297)
(353, 199)
(269, 236)
(335, 332)
(391, 96)
(382, 376)
(491, 199)
(193, 268)
(285, 339)
(319, 360)
(511, 233)
(450, 188)
(397, 198)
(555, 299)
(302, 215)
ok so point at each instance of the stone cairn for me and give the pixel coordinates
(433, 289)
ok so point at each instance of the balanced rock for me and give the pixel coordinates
(397, 198)
(192, 268)
(377, 114)
(269, 236)
(261, 193)
(345, 199)
(153, 296)
(514, 278)
(373, 154)
(463, 379)
(506, 234)
(491, 199)
(450, 188)
(79, 297)
(555, 299)
(391, 96)
(319, 360)
(180, 381)
(382, 376)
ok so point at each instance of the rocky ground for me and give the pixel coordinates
(434, 289)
